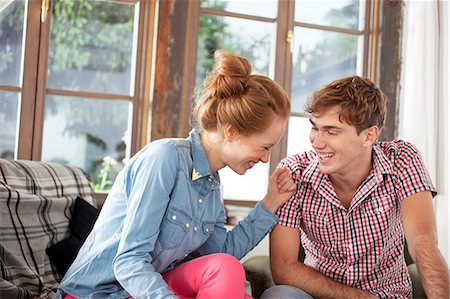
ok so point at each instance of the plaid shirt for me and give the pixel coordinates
(362, 246)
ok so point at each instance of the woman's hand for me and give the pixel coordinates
(281, 188)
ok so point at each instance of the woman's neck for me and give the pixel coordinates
(211, 142)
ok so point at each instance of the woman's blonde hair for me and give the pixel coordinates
(232, 95)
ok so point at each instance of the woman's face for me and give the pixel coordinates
(242, 152)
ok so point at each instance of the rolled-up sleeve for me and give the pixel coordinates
(244, 236)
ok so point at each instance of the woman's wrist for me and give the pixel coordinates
(269, 204)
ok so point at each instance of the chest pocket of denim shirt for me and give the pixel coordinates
(174, 228)
(208, 228)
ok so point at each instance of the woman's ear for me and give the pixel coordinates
(229, 132)
(371, 135)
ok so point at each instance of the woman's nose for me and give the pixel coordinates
(265, 157)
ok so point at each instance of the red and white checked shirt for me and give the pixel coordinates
(362, 246)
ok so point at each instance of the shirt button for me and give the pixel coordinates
(187, 225)
(207, 230)
(350, 268)
(350, 246)
(380, 210)
(174, 217)
(200, 200)
(186, 255)
(195, 228)
(210, 178)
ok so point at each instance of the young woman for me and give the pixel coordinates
(165, 204)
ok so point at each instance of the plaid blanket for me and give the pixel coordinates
(36, 201)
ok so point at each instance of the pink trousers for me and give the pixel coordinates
(218, 276)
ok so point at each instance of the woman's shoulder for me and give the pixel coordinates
(160, 153)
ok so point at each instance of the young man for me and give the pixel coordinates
(357, 200)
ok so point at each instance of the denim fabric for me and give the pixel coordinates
(285, 292)
(164, 204)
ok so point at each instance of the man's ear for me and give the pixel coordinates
(229, 132)
(371, 135)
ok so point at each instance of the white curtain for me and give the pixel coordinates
(424, 108)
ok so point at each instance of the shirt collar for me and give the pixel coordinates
(381, 163)
(200, 165)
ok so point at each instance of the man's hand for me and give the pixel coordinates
(281, 188)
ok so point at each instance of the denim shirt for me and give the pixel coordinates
(164, 204)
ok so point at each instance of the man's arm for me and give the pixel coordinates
(419, 225)
(287, 270)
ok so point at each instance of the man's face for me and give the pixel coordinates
(339, 148)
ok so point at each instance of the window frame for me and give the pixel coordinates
(187, 39)
(34, 81)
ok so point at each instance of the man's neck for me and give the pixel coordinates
(346, 183)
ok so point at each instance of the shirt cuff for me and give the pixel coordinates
(261, 214)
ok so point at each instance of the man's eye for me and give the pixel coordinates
(332, 133)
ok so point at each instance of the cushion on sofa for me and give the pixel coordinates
(63, 253)
(83, 219)
(36, 201)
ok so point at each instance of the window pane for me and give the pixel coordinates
(91, 134)
(11, 39)
(248, 38)
(320, 57)
(253, 40)
(9, 110)
(250, 186)
(298, 135)
(92, 46)
(337, 13)
(265, 8)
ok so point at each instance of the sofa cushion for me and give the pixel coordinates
(83, 219)
(36, 201)
(63, 253)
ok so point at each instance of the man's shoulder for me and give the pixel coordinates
(399, 153)
(397, 148)
(299, 161)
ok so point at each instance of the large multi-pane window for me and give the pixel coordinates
(86, 95)
(12, 33)
(325, 40)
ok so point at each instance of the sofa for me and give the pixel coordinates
(43, 207)
(258, 273)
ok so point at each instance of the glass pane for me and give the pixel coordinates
(12, 15)
(92, 46)
(250, 186)
(320, 57)
(251, 39)
(337, 13)
(91, 134)
(298, 135)
(9, 111)
(261, 8)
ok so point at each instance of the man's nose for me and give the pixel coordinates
(317, 140)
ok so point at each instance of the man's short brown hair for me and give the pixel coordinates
(362, 103)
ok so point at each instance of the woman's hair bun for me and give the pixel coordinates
(230, 75)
